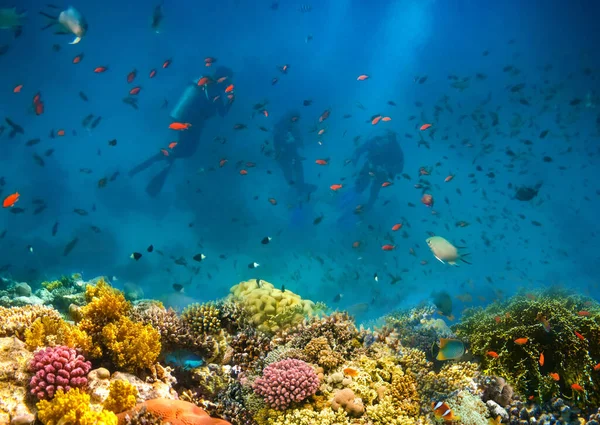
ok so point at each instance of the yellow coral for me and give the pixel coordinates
(132, 346)
(404, 392)
(50, 331)
(271, 309)
(105, 305)
(122, 396)
(202, 318)
(52, 285)
(72, 407)
(384, 413)
(301, 417)
(16, 320)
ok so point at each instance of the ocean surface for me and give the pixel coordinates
(510, 91)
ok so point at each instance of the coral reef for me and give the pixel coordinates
(543, 344)
(51, 331)
(202, 318)
(285, 382)
(16, 320)
(271, 309)
(57, 369)
(14, 379)
(122, 396)
(174, 412)
(73, 407)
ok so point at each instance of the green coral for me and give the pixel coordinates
(63, 282)
(132, 346)
(551, 321)
(202, 318)
(73, 407)
(122, 396)
(271, 309)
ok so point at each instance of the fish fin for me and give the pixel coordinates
(440, 356)
(54, 18)
(76, 40)
(465, 261)
(443, 342)
(440, 260)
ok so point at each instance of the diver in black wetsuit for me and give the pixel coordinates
(196, 105)
(384, 161)
(287, 140)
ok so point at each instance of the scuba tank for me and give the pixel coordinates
(190, 98)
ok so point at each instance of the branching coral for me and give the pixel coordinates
(104, 305)
(165, 321)
(564, 328)
(302, 417)
(132, 346)
(122, 396)
(51, 331)
(15, 320)
(72, 407)
(202, 318)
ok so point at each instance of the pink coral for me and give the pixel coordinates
(57, 368)
(285, 382)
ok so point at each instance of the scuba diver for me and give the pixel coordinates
(287, 140)
(384, 160)
(197, 104)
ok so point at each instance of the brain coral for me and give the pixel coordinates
(271, 309)
(285, 382)
(57, 368)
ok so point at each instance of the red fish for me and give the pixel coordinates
(335, 187)
(321, 162)
(100, 69)
(577, 387)
(134, 91)
(554, 376)
(521, 341)
(388, 247)
(375, 120)
(386, 184)
(243, 172)
(166, 63)
(229, 88)
(362, 77)
(397, 227)
(541, 359)
(165, 152)
(179, 126)
(131, 76)
(273, 201)
(11, 200)
(325, 115)
(18, 88)
(581, 337)
(222, 162)
(449, 178)
(78, 58)
(424, 127)
(152, 73)
(427, 199)
(583, 313)
(172, 145)
(492, 354)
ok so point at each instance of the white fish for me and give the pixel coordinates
(444, 251)
(69, 21)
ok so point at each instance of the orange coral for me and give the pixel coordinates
(175, 412)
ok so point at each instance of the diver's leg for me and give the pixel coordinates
(147, 163)
(375, 188)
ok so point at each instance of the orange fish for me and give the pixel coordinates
(597, 367)
(427, 199)
(78, 58)
(554, 376)
(351, 372)
(441, 410)
(18, 88)
(11, 200)
(424, 127)
(521, 341)
(39, 108)
(541, 359)
(388, 247)
(321, 162)
(356, 244)
(179, 126)
(577, 387)
(386, 184)
(376, 120)
(583, 313)
(204, 80)
(265, 113)
(243, 172)
(397, 227)
(152, 73)
(325, 115)
(135, 90)
(100, 69)
(449, 178)
(172, 145)
(222, 79)
(131, 76)
(229, 88)
(60, 132)
(165, 152)
(386, 119)
(362, 77)
(335, 187)
(581, 337)
(273, 201)
(166, 63)
(222, 162)
(498, 319)
(492, 354)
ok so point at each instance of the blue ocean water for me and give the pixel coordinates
(490, 48)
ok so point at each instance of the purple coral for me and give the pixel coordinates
(57, 368)
(285, 382)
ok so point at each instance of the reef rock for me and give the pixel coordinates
(14, 361)
(497, 410)
(345, 399)
(100, 379)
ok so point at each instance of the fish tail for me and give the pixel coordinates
(465, 261)
(54, 18)
(76, 40)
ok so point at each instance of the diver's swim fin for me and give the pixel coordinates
(147, 163)
(158, 181)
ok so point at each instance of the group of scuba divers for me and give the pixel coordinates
(382, 155)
